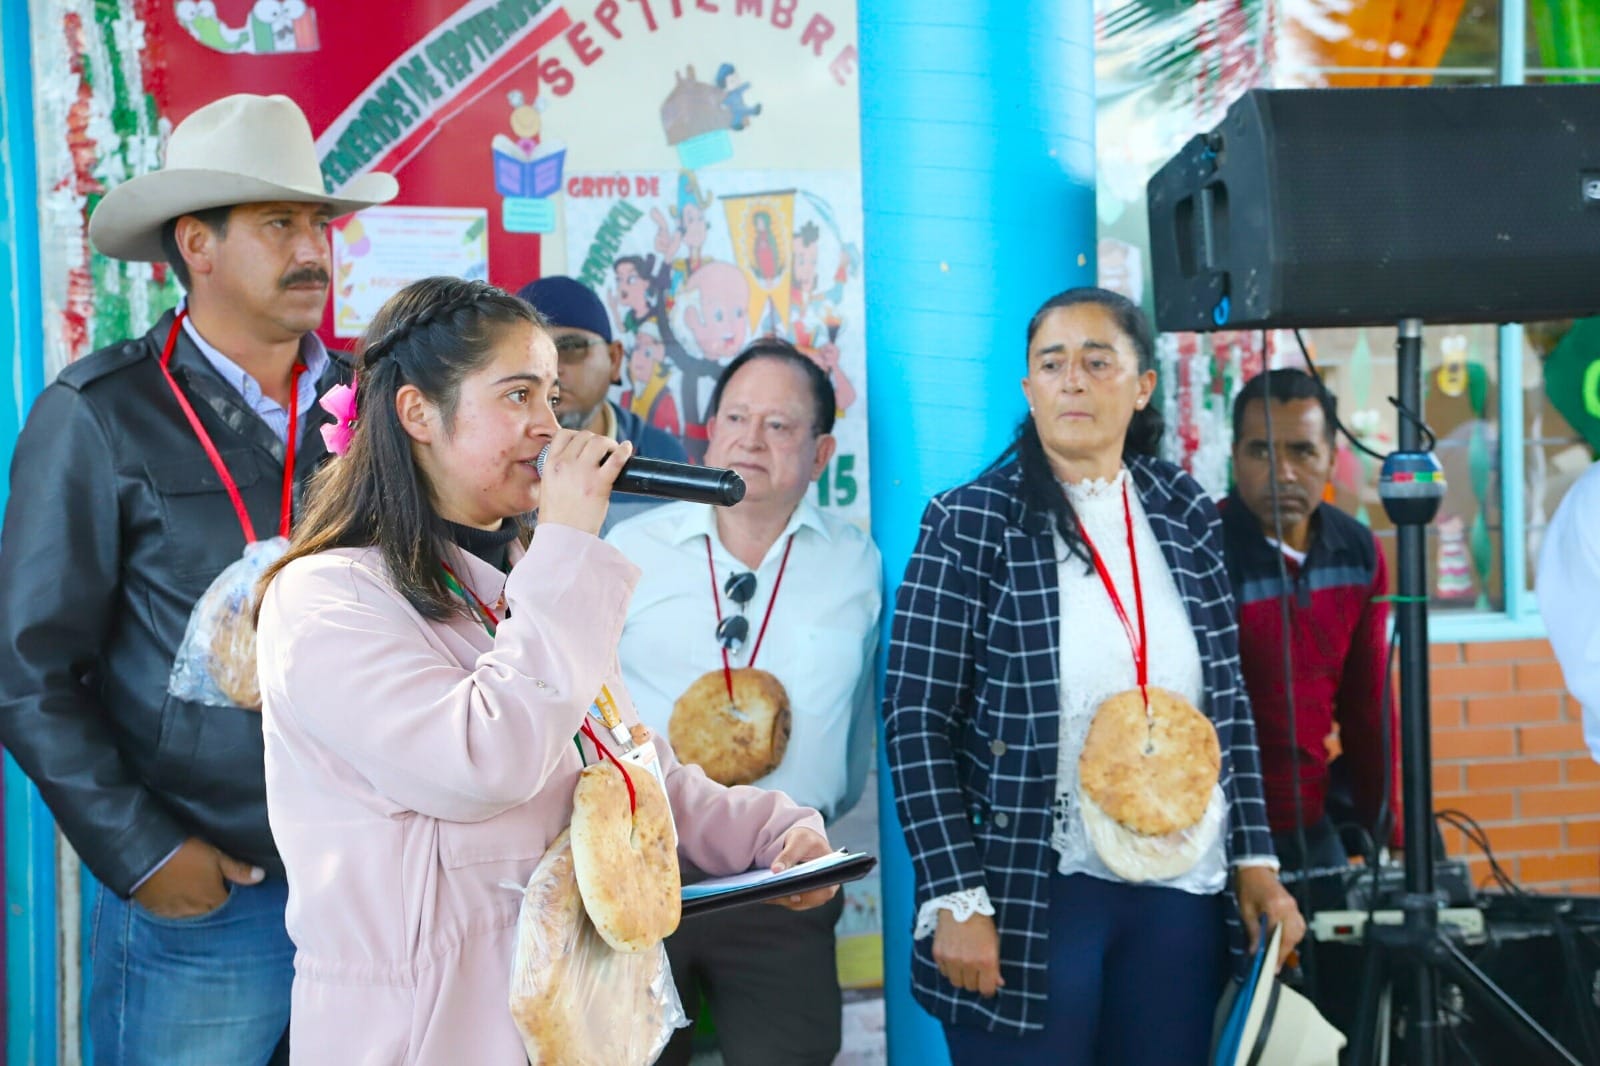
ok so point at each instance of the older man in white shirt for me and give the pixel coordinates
(1569, 588)
(778, 585)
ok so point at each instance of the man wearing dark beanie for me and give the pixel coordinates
(589, 362)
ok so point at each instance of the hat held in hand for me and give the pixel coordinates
(1264, 1022)
(242, 149)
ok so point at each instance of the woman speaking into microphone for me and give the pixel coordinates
(1072, 750)
(425, 677)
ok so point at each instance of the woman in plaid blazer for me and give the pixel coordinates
(1006, 637)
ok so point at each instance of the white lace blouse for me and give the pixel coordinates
(1097, 662)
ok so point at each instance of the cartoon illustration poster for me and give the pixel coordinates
(693, 269)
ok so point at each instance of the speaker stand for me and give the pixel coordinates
(1411, 958)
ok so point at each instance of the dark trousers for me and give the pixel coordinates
(1323, 851)
(771, 979)
(1134, 976)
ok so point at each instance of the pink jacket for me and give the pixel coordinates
(414, 766)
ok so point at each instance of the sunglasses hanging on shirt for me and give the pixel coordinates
(734, 723)
(734, 630)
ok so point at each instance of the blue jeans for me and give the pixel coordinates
(192, 991)
(1134, 976)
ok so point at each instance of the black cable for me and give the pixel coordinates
(1371, 853)
(1302, 885)
(1305, 353)
(1475, 835)
(1385, 819)
(1383, 829)
(1422, 427)
(1404, 412)
(1385, 824)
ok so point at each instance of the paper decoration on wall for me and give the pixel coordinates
(274, 27)
(527, 168)
(760, 228)
(697, 116)
(92, 69)
(1454, 578)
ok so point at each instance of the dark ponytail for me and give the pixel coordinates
(1041, 492)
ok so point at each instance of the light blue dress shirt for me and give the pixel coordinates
(312, 353)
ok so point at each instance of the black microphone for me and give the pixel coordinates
(673, 481)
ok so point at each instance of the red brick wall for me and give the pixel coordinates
(1508, 750)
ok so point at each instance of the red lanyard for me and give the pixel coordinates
(1136, 642)
(716, 598)
(627, 779)
(491, 624)
(287, 506)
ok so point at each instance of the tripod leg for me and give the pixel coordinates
(1424, 1033)
(1374, 984)
(1477, 983)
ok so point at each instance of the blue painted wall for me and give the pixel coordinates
(31, 1011)
(977, 151)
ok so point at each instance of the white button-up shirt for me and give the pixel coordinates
(1568, 588)
(821, 643)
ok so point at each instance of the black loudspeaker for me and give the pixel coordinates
(1336, 207)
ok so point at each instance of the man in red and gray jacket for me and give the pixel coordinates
(1337, 579)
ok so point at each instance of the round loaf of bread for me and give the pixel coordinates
(738, 743)
(1152, 774)
(1138, 858)
(575, 1001)
(626, 863)
(233, 656)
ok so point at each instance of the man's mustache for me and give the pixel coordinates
(1289, 495)
(301, 277)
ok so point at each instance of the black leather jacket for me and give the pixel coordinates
(115, 526)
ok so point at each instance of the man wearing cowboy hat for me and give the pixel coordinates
(139, 477)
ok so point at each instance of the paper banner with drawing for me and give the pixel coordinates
(693, 268)
(383, 249)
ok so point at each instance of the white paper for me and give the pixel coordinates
(716, 886)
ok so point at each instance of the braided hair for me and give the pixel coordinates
(431, 335)
(1041, 492)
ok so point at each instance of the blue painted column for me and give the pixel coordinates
(977, 154)
(30, 838)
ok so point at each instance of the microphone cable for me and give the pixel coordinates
(1302, 884)
(1383, 829)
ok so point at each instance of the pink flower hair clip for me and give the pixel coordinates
(340, 402)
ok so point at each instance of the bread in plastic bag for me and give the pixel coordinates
(576, 1001)
(216, 663)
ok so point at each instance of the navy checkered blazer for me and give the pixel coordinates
(972, 709)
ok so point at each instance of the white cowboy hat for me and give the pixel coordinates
(1266, 1023)
(242, 149)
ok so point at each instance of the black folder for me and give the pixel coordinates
(703, 898)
